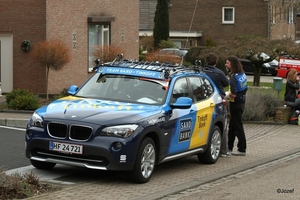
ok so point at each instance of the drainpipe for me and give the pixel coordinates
(269, 18)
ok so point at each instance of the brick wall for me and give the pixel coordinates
(251, 18)
(26, 20)
(37, 20)
(69, 16)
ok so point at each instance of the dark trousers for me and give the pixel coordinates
(295, 104)
(236, 128)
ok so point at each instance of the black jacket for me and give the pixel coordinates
(218, 77)
(291, 91)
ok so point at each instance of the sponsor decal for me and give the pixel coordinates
(133, 72)
(202, 120)
(185, 130)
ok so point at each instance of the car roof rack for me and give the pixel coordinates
(168, 69)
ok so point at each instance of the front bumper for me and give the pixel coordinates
(93, 157)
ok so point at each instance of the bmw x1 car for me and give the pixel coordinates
(130, 116)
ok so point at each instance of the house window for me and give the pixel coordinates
(273, 14)
(99, 35)
(290, 15)
(228, 15)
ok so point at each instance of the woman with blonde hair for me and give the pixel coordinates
(292, 89)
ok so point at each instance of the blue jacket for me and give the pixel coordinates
(238, 86)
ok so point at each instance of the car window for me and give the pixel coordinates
(198, 89)
(208, 88)
(180, 89)
(175, 52)
(178, 53)
(124, 88)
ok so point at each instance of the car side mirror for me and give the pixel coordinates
(182, 103)
(72, 90)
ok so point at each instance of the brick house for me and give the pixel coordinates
(80, 24)
(193, 22)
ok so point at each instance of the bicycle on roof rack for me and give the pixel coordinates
(168, 68)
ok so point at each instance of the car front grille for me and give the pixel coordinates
(80, 132)
(76, 132)
(57, 130)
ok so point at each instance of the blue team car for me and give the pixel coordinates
(130, 116)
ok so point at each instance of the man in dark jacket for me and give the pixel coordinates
(216, 75)
(221, 81)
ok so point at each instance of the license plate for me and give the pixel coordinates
(65, 147)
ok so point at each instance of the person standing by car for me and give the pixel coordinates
(237, 94)
(221, 81)
(215, 74)
(292, 90)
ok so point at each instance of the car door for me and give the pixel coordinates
(203, 104)
(247, 66)
(192, 125)
(181, 120)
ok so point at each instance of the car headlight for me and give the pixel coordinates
(123, 131)
(36, 120)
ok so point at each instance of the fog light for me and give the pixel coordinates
(117, 146)
(29, 134)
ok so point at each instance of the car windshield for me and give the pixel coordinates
(124, 89)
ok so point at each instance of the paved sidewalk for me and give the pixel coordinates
(266, 143)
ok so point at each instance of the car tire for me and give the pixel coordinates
(145, 162)
(211, 155)
(42, 165)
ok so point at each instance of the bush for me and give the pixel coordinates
(21, 99)
(62, 94)
(106, 53)
(195, 53)
(142, 57)
(17, 186)
(155, 56)
(167, 44)
(15, 93)
(261, 104)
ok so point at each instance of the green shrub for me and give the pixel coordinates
(195, 53)
(142, 57)
(15, 93)
(261, 104)
(209, 42)
(62, 94)
(21, 99)
(167, 44)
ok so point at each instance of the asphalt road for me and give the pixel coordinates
(12, 148)
(264, 78)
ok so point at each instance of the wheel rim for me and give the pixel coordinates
(148, 160)
(215, 145)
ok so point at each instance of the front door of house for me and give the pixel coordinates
(6, 62)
